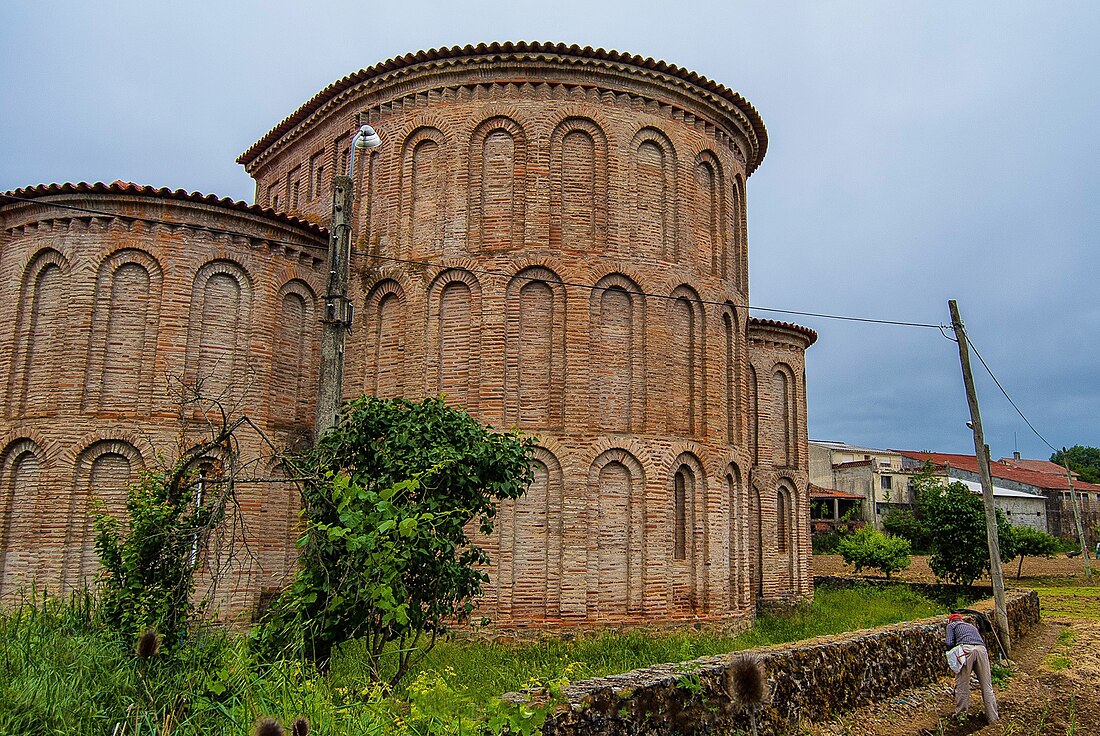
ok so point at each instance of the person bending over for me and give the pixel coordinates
(975, 659)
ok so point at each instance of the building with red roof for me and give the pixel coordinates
(1022, 476)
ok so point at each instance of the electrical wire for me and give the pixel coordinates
(669, 297)
(590, 287)
(488, 272)
(985, 365)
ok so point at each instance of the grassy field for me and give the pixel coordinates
(60, 673)
(1071, 597)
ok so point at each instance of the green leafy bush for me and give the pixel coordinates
(908, 523)
(148, 571)
(389, 497)
(826, 543)
(870, 548)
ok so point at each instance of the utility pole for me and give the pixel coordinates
(981, 452)
(335, 323)
(1077, 515)
(338, 310)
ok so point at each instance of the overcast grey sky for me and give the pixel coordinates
(918, 152)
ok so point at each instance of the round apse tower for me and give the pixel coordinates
(554, 238)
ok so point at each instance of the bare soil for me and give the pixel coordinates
(1035, 569)
(1054, 686)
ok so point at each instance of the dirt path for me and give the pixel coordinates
(1053, 690)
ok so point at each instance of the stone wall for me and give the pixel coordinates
(807, 680)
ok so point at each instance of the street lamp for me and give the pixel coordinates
(365, 139)
(337, 317)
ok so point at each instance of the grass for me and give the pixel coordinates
(61, 673)
(1058, 662)
(1076, 601)
(476, 671)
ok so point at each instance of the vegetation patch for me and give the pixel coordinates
(1075, 602)
(62, 672)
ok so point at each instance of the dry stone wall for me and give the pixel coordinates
(806, 681)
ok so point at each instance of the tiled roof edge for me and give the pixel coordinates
(454, 52)
(119, 187)
(760, 322)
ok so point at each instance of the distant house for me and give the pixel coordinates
(1032, 493)
(880, 478)
(1037, 479)
(831, 510)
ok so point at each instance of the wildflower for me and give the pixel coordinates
(268, 727)
(148, 644)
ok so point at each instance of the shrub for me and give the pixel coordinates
(389, 496)
(872, 549)
(826, 543)
(148, 566)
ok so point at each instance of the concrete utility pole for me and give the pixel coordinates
(338, 310)
(981, 452)
(1077, 515)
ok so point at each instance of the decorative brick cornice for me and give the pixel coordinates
(47, 192)
(88, 206)
(781, 333)
(534, 54)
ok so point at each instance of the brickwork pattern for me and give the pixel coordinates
(504, 181)
(553, 238)
(100, 312)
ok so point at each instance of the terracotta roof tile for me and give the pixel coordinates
(125, 187)
(819, 492)
(852, 464)
(1045, 481)
(536, 47)
(1039, 466)
(760, 322)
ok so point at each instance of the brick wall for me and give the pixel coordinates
(507, 182)
(102, 315)
(553, 237)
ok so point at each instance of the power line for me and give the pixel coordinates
(1002, 388)
(590, 287)
(488, 272)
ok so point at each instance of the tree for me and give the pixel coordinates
(1034, 543)
(389, 496)
(869, 547)
(1083, 460)
(910, 523)
(960, 550)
